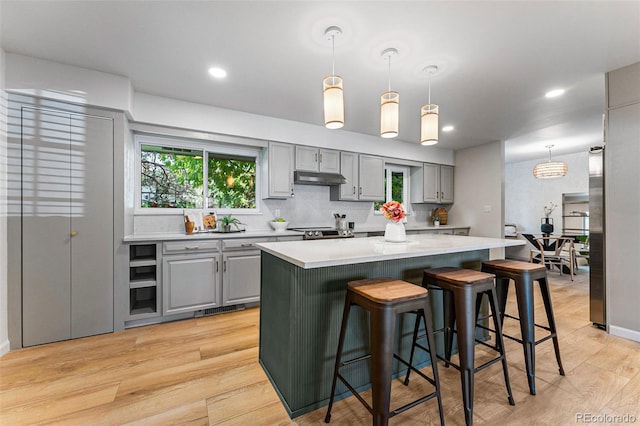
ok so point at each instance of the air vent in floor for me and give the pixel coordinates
(220, 310)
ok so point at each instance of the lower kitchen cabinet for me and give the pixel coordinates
(190, 282)
(241, 277)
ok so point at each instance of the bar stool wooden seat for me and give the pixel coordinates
(523, 275)
(384, 298)
(462, 294)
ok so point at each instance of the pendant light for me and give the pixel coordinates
(332, 88)
(389, 103)
(429, 115)
(550, 169)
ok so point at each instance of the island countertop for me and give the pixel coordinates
(345, 251)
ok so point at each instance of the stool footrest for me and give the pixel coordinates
(413, 404)
(352, 361)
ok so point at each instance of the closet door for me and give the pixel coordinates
(91, 154)
(67, 225)
(46, 232)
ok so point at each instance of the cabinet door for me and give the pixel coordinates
(446, 184)
(241, 277)
(329, 161)
(431, 183)
(307, 158)
(280, 170)
(190, 283)
(349, 169)
(371, 178)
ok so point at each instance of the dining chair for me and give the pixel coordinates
(555, 252)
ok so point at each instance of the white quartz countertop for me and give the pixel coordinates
(158, 236)
(346, 251)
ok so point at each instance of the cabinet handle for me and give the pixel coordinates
(315, 157)
(354, 190)
(192, 247)
(224, 266)
(216, 265)
(442, 195)
(246, 245)
(360, 191)
(321, 157)
(74, 233)
(292, 190)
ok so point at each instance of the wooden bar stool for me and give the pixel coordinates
(385, 298)
(462, 294)
(523, 275)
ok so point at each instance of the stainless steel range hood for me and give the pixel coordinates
(315, 178)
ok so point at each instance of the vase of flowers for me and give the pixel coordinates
(394, 231)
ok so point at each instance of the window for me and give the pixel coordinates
(173, 173)
(396, 183)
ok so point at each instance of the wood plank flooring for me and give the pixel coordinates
(205, 371)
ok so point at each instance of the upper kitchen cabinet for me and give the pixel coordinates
(64, 167)
(432, 183)
(277, 176)
(365, 178)
(312, 159)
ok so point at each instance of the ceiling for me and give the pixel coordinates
(496, 60)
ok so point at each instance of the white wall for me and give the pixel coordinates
(478, 189)
(4, 329)
(526, 196)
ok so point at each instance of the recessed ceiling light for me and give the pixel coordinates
(554, 93)
(217, 72)
(448, 128)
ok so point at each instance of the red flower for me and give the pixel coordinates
(393, 210)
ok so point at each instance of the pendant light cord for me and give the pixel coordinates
(389, 74)
(333, 55)
(430, 87)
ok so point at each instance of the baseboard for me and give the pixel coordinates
(624, 333)
(4, 347)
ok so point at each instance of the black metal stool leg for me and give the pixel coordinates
(384, 321)
(343, 332)
(428, 325)
(546, 298)
(524, 294)
(449, 311)
(416, 328)
(466, 350)
(493, 302)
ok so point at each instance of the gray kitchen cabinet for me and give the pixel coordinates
(191, 279)
(432, 183)
(241, 277)
(317, 159)
(241, 271)
(371, 178)
(364, 175)
(277, 171)
(65, 177)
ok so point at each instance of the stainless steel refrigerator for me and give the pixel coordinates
(597, 285)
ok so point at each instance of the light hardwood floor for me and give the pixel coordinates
(205, 371)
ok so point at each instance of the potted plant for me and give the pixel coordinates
(436, 220)
(229, 220)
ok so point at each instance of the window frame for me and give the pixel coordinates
(389, 169)
(206, 147)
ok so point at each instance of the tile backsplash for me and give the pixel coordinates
(309, 207)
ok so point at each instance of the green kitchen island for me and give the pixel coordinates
(303, 287)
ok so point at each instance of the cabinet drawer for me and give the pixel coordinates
(172, 247)
(243, 243)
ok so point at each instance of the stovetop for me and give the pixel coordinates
(323, 232)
